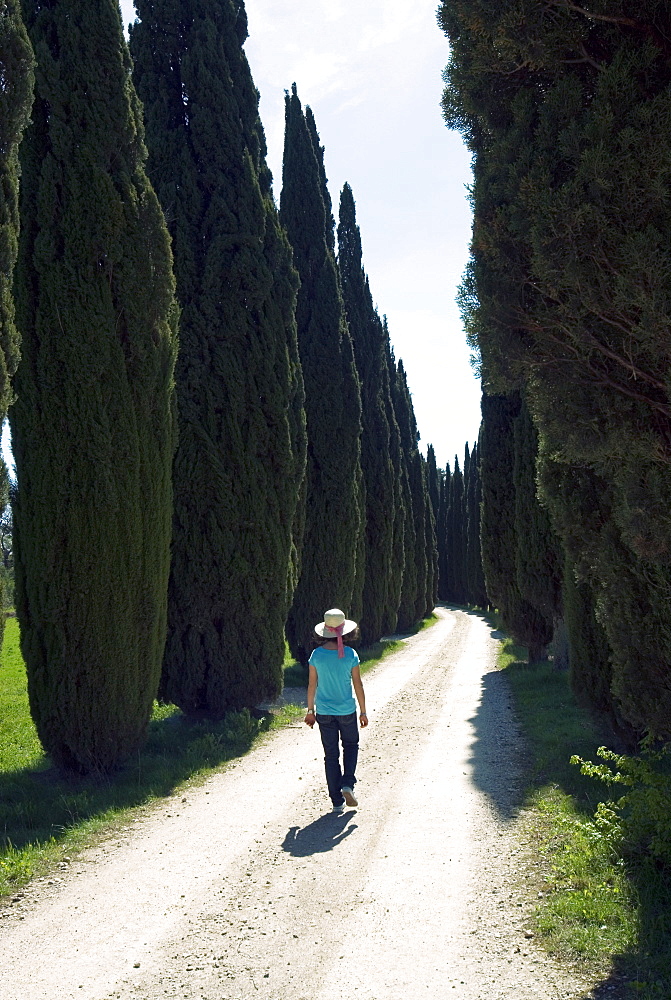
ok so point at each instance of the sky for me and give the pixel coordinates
(371, 72)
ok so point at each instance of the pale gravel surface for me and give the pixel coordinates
(247, 887)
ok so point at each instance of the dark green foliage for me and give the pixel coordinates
(539, 557)
(631, 597)
(331, 558)
(240, 461)
(477, 593)
(409, 589)
(589, 663)
(459, 562)
(396, 568)
(498, 536)
(433, 480)
(93, 426)
(434, 486)
(369, 338)
(417, 596)
(456, 536)
(16, 95)
(567, 293)
(442, 536)
(430, 545)
(6, 575)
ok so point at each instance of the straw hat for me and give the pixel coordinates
(333, 619)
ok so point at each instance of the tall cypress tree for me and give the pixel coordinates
(93, 427)
(589, 653)
(433, 479)
(409, 587)
(399, 514)
(456, 589)
(240, 459)
(369, 340)
(568, 284)
(443, 534)
(463, 555)
(434, 486)
(498, 535)
(330, 572)
(430, 544)
(416, 593)
(475, 577)
(539, 559)
(16, 95)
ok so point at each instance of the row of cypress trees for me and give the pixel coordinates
(457, 501)
(566, 300)
(298, 482)
(369, 536)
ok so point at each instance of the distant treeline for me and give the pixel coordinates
(213, 440)
(567, 301)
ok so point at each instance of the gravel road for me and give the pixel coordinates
(248, 886)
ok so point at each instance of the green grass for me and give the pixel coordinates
(44, 816)
(611, 912)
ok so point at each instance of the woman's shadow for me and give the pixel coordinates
(322, 835)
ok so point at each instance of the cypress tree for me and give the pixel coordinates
(589, 663)
(433, 480)
(565, 296)
(409, 588)
(331, 571)
(240, 458)
(93, 427)
(630, 597)
(455, 537)
(16, 95)
(539, 558)
(443, 535)
(369, 340)
(434, 485)
(430, 545)
(396, 568)
(420, 544)
(498, 535)
(463, 555)
(477, 593)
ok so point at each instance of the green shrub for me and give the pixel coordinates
(640, 820)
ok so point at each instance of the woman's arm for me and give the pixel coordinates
(312, 690)
(360, 696)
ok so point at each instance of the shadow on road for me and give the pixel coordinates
(318, 837)
(497, 752)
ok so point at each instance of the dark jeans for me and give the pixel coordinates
(332, 729)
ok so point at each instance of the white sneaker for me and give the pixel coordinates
(339, 810)
(350, 798)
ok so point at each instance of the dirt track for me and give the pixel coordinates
(248, 887)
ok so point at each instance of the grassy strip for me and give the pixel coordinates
(44, 816)
(611, 912)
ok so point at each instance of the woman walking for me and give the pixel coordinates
(334, 677)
